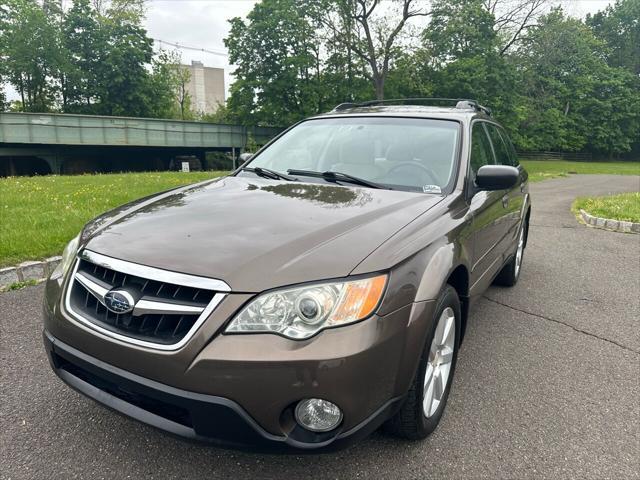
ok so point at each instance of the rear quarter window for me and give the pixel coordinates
(501, 148)
(510, 148)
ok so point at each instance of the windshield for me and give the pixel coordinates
(403, 153)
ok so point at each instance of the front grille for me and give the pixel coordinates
(164, 312)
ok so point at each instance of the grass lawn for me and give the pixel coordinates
(544, 169)
(39, 215)
(625, 206)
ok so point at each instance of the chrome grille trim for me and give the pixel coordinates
(144, 306)
(153, 273)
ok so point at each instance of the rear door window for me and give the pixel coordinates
(510, 148)
(499, 147)
(481, 153)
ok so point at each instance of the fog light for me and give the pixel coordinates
(318, 415)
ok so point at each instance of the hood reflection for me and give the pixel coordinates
(329, 196)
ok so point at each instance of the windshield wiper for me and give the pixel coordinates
(338, 176)
(268, 173)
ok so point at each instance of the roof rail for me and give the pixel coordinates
(461, 103)
(473, 105)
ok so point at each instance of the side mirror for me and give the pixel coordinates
(244, 158)
(497, 177)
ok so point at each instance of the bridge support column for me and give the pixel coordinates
(54, 162)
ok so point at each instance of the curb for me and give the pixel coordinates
(26, 271)
(608, 224)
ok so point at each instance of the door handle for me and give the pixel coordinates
(505, 201)
(522, 187)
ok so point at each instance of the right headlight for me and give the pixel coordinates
(302, 312)
(68, 255)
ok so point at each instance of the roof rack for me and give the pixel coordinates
(461, 103)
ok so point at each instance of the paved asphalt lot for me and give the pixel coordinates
(547, 384)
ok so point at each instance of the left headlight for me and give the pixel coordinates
(302, 312)
(68, 255)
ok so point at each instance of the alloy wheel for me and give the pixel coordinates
(519, 252)
(439, 363)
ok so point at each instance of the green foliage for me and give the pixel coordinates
(166, 81)
(459, 29)
(83, 38)
(278, 78)
(562, 85)
(29, 47)
(251, 146)
(577, 102)
(625, 206)
(290, 65)
(222, 115)
(21, 285)
(94, 58)
(619, 26)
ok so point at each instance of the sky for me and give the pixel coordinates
(203, 24)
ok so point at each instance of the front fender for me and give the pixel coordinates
(443, 259)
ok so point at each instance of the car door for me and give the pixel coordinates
(487, 213)
(513, 199)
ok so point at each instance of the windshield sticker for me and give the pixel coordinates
(431, 189)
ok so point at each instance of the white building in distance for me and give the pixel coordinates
(205, 87)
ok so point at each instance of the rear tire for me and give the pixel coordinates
(510, 273)
(427, 397)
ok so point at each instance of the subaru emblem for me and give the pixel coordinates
(119, 301)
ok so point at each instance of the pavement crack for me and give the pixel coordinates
(576, 329)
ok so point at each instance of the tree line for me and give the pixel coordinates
(556, 82)
(93, 58)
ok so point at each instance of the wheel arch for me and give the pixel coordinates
(447, 264)
(459, 280)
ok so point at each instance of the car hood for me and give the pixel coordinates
(255, 233)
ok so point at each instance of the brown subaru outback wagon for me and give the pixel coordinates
(316, 293)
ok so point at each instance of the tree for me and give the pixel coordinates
(3, 97)
(279, 74)
(83, 42)
(619, 26)
(577, 101)
(300, 57)
(167, 85)
(372, 32)
(182, 78)
(461, 57)
(30, 50)
(460, 29)
(121, 76)
(513, 18)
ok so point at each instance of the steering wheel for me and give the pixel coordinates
(432, 176)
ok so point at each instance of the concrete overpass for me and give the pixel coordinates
(62, 143)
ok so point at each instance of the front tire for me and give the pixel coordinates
(427, 397)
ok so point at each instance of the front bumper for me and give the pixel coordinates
(241, 390)
(190, 415)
